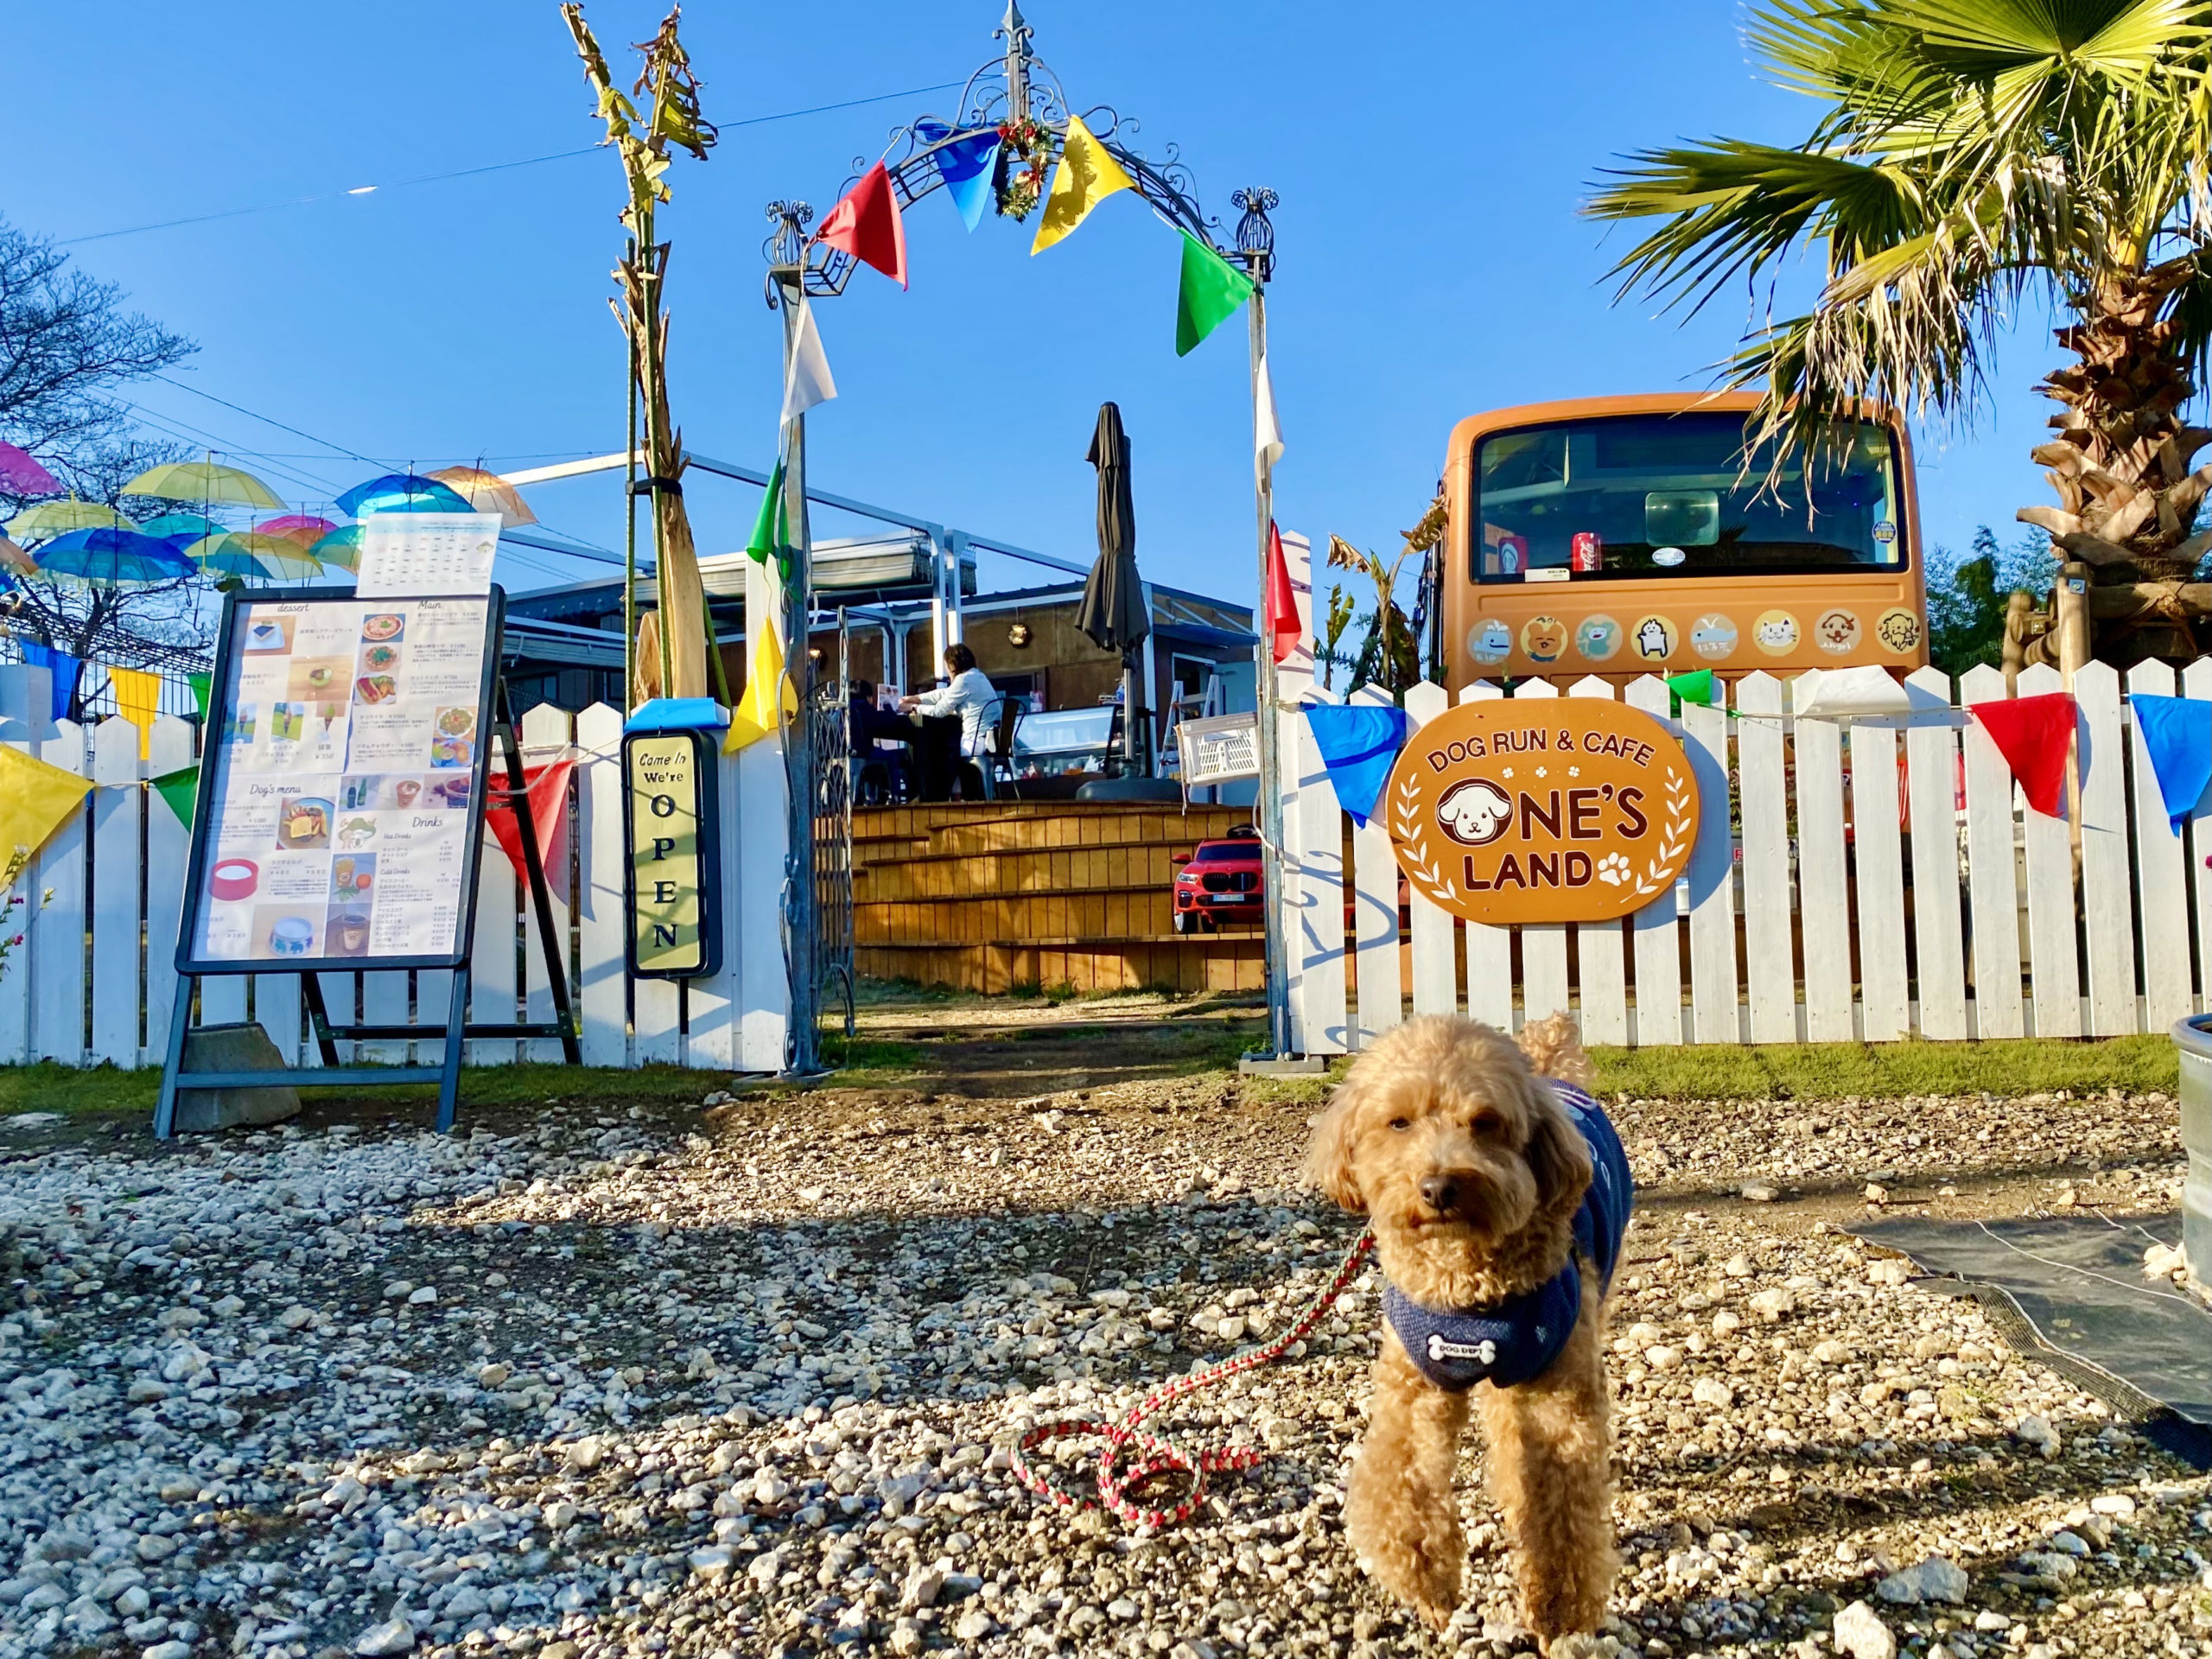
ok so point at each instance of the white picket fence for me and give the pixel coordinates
(95, 980)
(1809, 917)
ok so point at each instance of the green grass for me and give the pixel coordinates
(1829, 1070)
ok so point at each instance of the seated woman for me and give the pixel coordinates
(969, 695)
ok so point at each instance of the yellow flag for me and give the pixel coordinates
(1087, 174)
(137, 699)
(768, 694)
(34, 797)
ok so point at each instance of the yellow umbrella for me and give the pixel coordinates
(203, 481)
(53, 517)
(487, 492)
(239, 553)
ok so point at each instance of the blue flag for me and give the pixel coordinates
(2178, 736)
(63, 668)
(966, 165)
(1359, 744)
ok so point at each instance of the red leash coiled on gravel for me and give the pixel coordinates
(1153, 1455)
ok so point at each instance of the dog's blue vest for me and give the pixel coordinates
(1518, 1339)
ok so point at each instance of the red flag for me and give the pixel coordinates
(2031, 733)
(865, 225)
(548, 788)
(1284, 629)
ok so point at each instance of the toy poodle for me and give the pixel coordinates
(1497, 1192)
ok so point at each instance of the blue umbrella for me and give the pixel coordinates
(112, 559)
(402, 492)
(181, 530)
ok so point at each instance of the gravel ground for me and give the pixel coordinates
(738, 1380)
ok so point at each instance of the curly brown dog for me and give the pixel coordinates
(1473, 1171)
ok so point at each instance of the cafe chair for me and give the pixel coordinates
(1005, 714)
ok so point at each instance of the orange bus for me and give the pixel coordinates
(1628, 536)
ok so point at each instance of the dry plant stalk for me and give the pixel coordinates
(673, 660)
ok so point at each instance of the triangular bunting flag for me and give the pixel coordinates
(34, 797)
(1284, 627)
(2031, 733)
(768, 692)
(1267, 431)
(1694, 688)
(807, 381)
(771, 527)
(966, 162)
(181, 789)
(203, 687)
(547, 786)
(1087, 174)
(1360, 743)
(137, 699)
(865, 225)
(1208, 294)
(61, 667)
(2178, 736)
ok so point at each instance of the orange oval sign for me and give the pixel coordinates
(1574, 810)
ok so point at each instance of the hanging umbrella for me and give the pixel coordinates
(342, 549)
(488, 493)
(14, 560)
(53, 517)
(180, 529)
(402, 492)
(1113, 614)
(243, 553)
(303, 528)
(205, 482)
(112, 559)
(21, 475)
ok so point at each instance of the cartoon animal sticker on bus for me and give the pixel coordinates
(1543, 637)
(1490, 642)
(1774, 633)
(1598, 638)
(1714, 636)
(1836, 632)
(1654, 638)
(1898, 629)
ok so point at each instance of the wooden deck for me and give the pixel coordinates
(989, 896)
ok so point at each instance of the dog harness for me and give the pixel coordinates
(1512, 1341)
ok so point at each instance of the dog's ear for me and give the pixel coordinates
(1328, 1160)
(1558, 1156)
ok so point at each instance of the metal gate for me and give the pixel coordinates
(833, 835)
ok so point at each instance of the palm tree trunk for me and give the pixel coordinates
(2121, 465)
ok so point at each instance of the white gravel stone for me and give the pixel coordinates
(1860, 1633)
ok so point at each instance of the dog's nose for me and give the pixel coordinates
(1440, 1193)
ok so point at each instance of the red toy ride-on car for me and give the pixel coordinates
(1223, 880)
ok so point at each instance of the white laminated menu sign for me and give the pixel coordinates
(426, 553)
(339, 818)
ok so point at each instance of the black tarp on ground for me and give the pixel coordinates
(2078, 1280)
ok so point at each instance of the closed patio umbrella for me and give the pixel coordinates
(1114, 615)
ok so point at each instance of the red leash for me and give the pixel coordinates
(1125, 1439)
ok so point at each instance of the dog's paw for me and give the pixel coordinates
(1436, 1615)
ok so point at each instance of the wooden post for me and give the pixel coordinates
(2017, 609)
(2070, 609)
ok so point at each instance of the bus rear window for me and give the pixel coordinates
(1664, 495)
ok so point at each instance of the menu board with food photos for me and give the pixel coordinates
(340, 795)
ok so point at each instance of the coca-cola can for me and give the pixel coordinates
(1589, 550)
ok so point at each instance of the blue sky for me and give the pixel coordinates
(1432, 263)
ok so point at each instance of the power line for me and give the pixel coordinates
(475, 172)
(269, 420)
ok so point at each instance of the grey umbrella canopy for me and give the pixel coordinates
(1114, 615)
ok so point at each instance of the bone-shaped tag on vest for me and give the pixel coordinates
(1483, 1353)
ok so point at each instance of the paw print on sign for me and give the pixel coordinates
(1612, 869)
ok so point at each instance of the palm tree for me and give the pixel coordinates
(1973, 157)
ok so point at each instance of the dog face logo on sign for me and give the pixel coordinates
(1573, 810)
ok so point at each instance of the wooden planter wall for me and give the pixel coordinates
(988, 897)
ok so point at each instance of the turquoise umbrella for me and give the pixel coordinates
(342, 549)
(181, 530)
(112, 559)
(402, 492)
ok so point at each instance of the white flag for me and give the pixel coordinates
(1266, 435)
(806, 380)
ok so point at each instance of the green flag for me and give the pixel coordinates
(179, 789)
(203, 686)
(772, 531)
(1695, 688)
(1208, 295)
